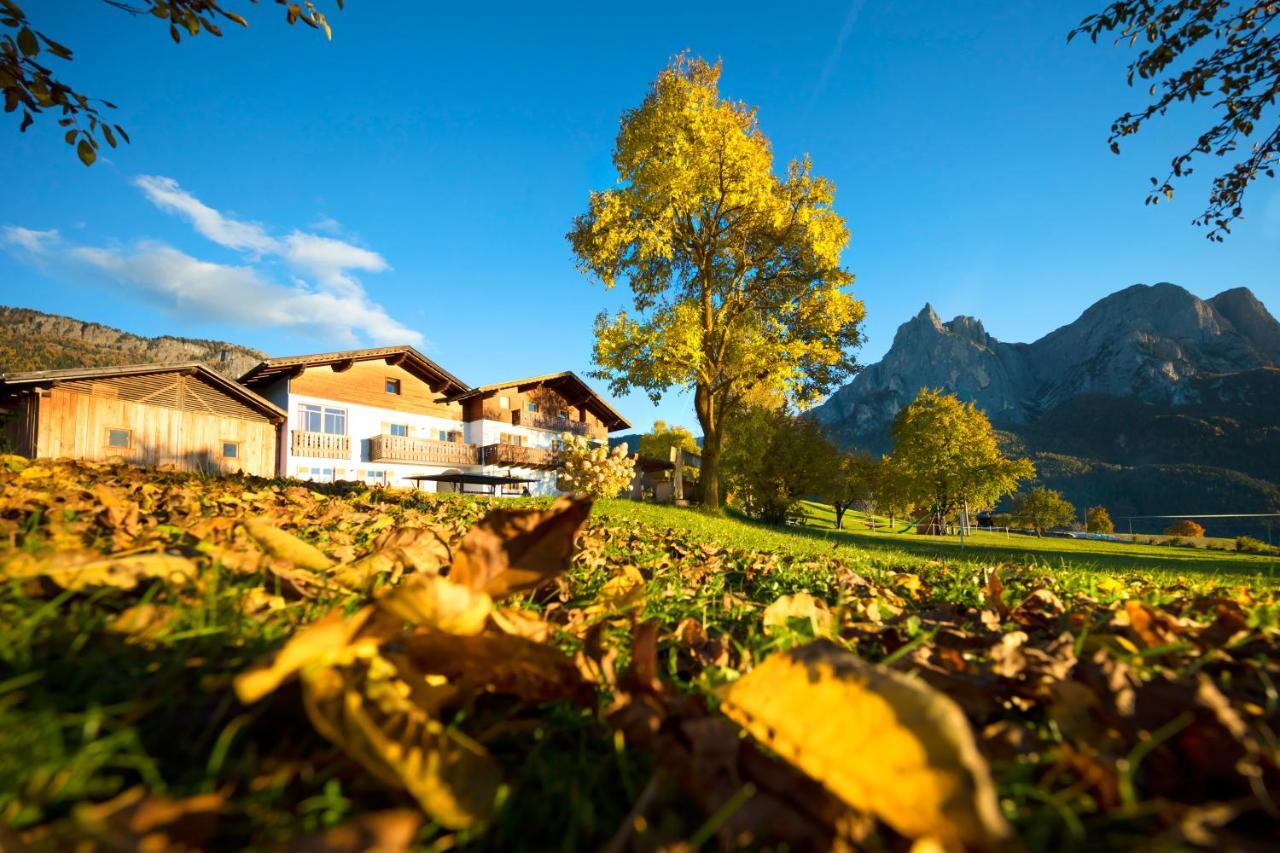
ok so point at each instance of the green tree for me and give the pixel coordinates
(1044, 509)
(28, 82)
(773, 459)
(1196, 50)
(854, 478)
(734, 271)
(659, 442)
(945, 453)
(1098, 520)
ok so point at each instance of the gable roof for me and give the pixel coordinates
(568, 383)
(39, 378)
(403, 356)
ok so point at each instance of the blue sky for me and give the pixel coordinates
(413, 179)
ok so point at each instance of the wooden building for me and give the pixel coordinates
(184, 415)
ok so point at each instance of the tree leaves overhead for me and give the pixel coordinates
(884, 743)
(1204, 49)
(35, 87)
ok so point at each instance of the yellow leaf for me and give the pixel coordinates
(318, 643)
(620, 593)
(136, 820)
(286, 546)
(882, 742)
(802, 605)
(512, 550)
(452, 777)
(119, 572)
(436, 602)
(144, 621)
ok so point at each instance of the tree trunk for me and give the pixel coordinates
(840, 510)
(708, 419)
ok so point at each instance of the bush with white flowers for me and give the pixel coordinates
(592, 469)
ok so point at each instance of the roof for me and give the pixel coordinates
(38, 378)
(403, 355)
(566, 380)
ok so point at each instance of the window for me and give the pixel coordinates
(442, 435)
(312, 418)
(399, 429)
(532, 407)
(512, 439)
(121, 438)
(376, 478)
(556, 445)
(230, 450)
(393, 386)
(504, 402)
(564, 414)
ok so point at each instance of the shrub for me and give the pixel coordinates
(1185, 527)
(594, 470)
(1250, 545)
(1098, 520)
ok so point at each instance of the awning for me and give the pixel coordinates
(489, 480)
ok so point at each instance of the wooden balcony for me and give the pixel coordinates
(320, 445)
(514, 456)
(399, 448)
(537, 421)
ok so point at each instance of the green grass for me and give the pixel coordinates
(886, 548)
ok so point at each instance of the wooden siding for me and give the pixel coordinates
(364, 383)
(172, 390)
(72, 423)
(549, 402)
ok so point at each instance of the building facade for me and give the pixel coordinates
(391, 416)
(184, 415)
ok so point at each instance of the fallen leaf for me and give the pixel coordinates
(514, 550)
(884, 743)
(137, 820)
(801, 606)
(390, 831)
(285, 546)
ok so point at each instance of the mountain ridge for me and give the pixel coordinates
(35, 340)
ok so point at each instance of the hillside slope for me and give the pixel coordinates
(34, 340)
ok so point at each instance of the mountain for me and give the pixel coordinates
(1149, 382)
(33, 340)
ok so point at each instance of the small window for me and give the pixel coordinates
(564, 414)
(230, 450)
(533, 407)
(400, 429)
(393, 386)
(121, 438)
(504, 402)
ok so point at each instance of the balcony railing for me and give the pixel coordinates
(537, 421)
(515, 456)
(320, 445)
(400, 448)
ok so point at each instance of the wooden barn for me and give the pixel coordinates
(184, 415)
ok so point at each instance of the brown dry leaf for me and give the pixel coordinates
(123, 572)
(314, 645)
(496, 663)
(993, 592)
(1154, 628)
(520, 623)
(438, 602)
(390, 831)
(621, 593)
(135, 820)
(513, 550)
(803, 606)
(884, 743)
(371, 717)
(418, 548)
(285, 546)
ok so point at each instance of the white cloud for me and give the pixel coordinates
(36, 242)
(240, 294)
(165, 194)
(327, 223)
(324, 296)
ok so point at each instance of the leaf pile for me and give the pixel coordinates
(195, 662)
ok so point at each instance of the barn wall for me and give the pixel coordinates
(75, 424)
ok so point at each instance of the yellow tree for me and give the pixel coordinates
(734, 271)
(945, 452)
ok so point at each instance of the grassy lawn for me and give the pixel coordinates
(1116, 693)
(885, 548)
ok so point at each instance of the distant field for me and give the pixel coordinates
(886, 548)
